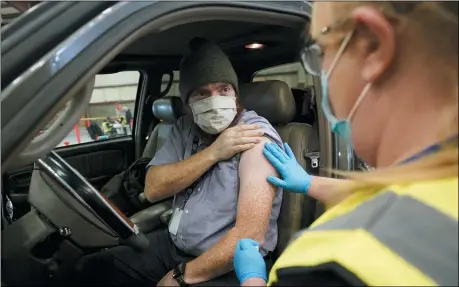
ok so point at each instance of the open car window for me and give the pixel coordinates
(110, 112)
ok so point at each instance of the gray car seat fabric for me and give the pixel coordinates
(274, 101)
(168, 110)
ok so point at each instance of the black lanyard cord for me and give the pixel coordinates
(190, 189)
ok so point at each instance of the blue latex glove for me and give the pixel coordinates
(294, 177)
(248, 262)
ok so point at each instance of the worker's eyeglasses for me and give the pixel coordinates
(311, 59)
(311, 54)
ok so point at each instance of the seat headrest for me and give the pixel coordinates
(168, 109)
(272, 100)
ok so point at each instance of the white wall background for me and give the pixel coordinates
(119, 87)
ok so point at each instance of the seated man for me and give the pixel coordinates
(213, 165)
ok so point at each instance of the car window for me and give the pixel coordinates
(110, 112)
(360, 165)
(293, 74)
(174, 90)
(346, 159)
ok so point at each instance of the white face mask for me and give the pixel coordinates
(215, 113)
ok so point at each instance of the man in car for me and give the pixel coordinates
(213, 165)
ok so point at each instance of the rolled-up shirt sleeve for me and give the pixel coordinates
(172, 149)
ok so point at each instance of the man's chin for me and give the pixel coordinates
(213, 132)
(210, 131)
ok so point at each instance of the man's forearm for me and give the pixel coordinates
(166, 180)
(217, 260)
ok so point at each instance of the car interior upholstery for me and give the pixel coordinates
(274, 101)
(166, 48)
(167, 110)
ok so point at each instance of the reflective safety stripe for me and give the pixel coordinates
(420, 234)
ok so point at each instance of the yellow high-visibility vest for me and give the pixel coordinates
(405, 235)
(106, 127)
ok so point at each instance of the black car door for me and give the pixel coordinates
(40, 29)
(98, 160)
(24, 42)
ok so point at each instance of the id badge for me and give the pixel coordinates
(175, 221)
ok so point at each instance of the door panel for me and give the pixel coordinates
(97, 166)
(100, 161)
(18, 183)
(96, 161)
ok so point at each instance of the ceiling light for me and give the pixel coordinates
(254, 46)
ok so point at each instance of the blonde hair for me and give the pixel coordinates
(438, 23)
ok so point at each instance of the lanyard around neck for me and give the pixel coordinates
(431, 149)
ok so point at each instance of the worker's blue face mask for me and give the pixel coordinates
(340, 127)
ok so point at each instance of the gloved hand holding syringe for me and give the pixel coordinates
(248, 261)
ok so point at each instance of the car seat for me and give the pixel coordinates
(274, 101)
(168, 110)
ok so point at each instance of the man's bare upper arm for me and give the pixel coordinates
(256, 195)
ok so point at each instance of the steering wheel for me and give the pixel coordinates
(72, 182)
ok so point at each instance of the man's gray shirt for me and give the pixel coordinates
(212, 207)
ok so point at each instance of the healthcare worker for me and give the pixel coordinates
(390, 89)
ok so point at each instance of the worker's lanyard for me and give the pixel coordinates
(431, 149)
(190, 189)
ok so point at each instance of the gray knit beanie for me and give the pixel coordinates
(205, 63)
